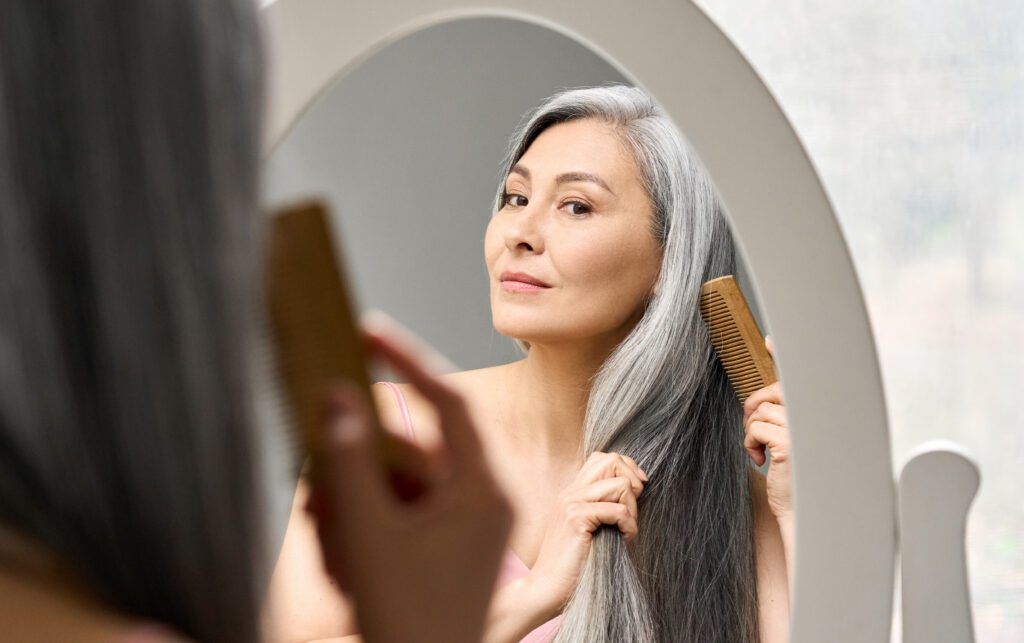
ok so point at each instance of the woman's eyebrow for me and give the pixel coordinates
(568, 177)
(574, 177)
(520, 170)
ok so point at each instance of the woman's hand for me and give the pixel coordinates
(604, 492)
(765, 425)
(422, 570)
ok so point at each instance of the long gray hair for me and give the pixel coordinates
(129, 156)
(663, 398)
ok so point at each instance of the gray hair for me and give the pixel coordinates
(129, 157)
(663, 398)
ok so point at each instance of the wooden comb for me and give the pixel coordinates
(312, 318)
(317, 340)
(736, 337)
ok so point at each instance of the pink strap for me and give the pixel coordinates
(404, 408)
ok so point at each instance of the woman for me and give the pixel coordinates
(620, 414)
(129, 498)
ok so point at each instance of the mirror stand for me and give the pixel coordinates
(936, 488)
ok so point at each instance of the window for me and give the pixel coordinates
(913, 113)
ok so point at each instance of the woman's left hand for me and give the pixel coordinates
(765, 425)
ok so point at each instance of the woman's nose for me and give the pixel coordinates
(525, 234)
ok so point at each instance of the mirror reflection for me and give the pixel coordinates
(565, 283)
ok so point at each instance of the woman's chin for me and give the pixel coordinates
(523, 332)
(535, 335)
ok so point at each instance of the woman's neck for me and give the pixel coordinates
(547, 396)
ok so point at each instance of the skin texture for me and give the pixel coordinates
(593, 246)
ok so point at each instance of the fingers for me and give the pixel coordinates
(766, 425)
(771, 393)
(588, 516)
(609, 501)
(769, 412)
(460, 436)
(618, 490)
(613, 513)
(763, 434)
(410, 469)
(609, 465)
(631, 462)
(352, 473)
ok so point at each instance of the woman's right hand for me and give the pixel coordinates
(419, 570)
(604, 492)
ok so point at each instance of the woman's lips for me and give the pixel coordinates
(520, 286)
(521, 282)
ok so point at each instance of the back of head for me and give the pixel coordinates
(663, 398)
(128, 178)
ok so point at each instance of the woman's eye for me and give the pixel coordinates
(514, 200)
(577, 208)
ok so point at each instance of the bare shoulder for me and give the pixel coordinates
(71, 613)
(303, 603)
(477, 386)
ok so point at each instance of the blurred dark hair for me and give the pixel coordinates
(129, 154)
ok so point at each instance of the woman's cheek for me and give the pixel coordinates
(492, 246)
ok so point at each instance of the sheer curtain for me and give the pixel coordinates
(913, 113)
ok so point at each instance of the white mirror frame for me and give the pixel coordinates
(784, 226)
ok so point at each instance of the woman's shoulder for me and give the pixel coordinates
(478, 387)
(472, 384)
(71, 613)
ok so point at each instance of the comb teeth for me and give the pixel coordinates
(274, 414)
(736, 337)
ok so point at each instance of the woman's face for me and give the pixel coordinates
(570, 253)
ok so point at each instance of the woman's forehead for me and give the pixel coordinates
(585, 147)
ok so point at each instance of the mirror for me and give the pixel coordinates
(407, 149)
(765, 182)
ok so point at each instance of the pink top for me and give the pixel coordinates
(512, 567)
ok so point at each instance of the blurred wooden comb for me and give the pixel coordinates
(736, 337)
(312, 317)
(317, 340)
